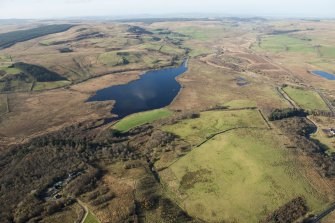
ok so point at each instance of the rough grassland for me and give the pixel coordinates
(241, 103)
(239, 176)
(91, 218)
(306, 99)
(210, 122)
(3, 104)
(138, 119)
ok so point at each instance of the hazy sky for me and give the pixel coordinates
(72, 8)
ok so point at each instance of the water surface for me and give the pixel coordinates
(324, 74)
(155, 89)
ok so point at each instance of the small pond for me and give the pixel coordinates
(324, 74)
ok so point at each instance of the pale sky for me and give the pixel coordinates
(73, 8)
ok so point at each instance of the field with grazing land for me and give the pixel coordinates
(285, 43)
(137, 119)
(306, 99)
(210, 122)
(239, 176)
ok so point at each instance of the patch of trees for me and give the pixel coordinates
(89, 35)
(27, 170)
(11, 38)
(289, 212)
(39, 73)
(138, 30)
(149, 198)
(298, 130)
(280, 32)
(65, 50)
(278, 114)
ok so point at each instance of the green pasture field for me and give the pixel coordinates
(284, 43)
(201, 33)
(239, 176)
(306, 99)
(210, 122)
(141, 118)
(90, 218)
(49, 85)
(10, 70)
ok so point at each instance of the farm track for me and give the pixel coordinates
(287, 98)
(329, 105)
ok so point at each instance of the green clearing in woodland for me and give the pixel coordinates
(210, 122)
(306, 99)
(238, 176)
(138, 119)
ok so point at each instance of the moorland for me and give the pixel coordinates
(248, 138)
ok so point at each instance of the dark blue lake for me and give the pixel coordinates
(324, 74)
(155, 89)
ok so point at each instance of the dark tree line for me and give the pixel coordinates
(11, 38)
(278, 114)
(289, 212)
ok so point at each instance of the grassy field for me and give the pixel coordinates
(306, 99)
(138, 119)
(284, 43)
(10, 70)
(239, 176)
(164, 48)
(202, 33)
(327, 51)
(241, 103)
(210, 122)
(90, 218)
(49, 85)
